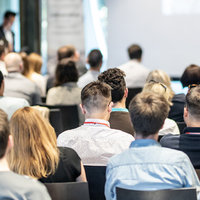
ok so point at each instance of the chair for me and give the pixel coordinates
(96, 177)
(169, 194)
(198, 173)
(181, 126)
(69, 115)
(55, 119)
(131, 93)
(68, 191)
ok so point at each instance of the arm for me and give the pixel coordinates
(82, 177)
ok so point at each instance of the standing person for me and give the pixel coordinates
(136, 73)
(12, 185)
(5, 29)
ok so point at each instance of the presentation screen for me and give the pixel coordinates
(167, 30)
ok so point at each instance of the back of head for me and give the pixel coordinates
(13, 62)
(66, 52)
(8, 14)
(96, 96)
(148, 112)
(115, 78)
(25, 63)
(162, 77)
(66, 71)
(35, 151)
(135, 51)
(191, 75)
(4, 133)
(35, 62)
(95, 58)
(193, 102)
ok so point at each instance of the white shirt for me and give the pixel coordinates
(3, 68)
(9, 36)
(136, 74)
(88, 77)
(95, 142)
(170, 126)
(10, 104)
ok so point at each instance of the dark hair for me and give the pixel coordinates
(66, 71)
(115, 78)
(9, 13)
(193, 102)
(1, 78)
(191, 75)
(96, 96)
(4, 132)
(135, 52)
(148, 112)
(95, 58)
(66, 52)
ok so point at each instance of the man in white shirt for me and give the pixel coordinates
(136, 73)
(95, 61)
(94, 141)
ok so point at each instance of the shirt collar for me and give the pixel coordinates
(96, 122)
(191, 130)
(119, 109)
(70, 84)
(144, 143)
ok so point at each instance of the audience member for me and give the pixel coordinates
(16, 85)
(188, 142)
(66, 91)
(3, 52)
(14, 186)
(94, 141)
(5, 29)
(169, 125)
(35, 152)
(95, 61)
(25, 63)
(178, 100)
(136, 73)
(119, 117)
(147, 165)
(34, 72)
(10, 104)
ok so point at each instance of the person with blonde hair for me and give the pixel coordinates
(170, 125)
(34, 72)
(35, 152)
(178, 100)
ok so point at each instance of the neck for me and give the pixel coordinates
(139, 136)
(193, 124)
(95, 68)
(120, 104)
(98, 116)
(4, 164)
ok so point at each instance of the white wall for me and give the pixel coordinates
(170, 42)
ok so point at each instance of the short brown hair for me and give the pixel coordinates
(35, 62)
(66, 52)
(148, 112)
(4, 132)
(135, 51)
(96, 96)
(193, 102)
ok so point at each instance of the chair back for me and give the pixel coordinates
(181, 126)
(96, 177)
(169, 194)
(68, 191)
(198, 173)
(131, 93)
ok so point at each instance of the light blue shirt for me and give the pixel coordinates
(148, 166)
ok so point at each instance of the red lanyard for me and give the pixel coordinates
(192, 133)
(97, 123)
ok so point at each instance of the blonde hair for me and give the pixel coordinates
(35, 151)
(35, 62)
(159, 88)
(162, 77)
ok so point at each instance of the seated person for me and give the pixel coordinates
(66, 91)
(10, 104)
(3, 51)
(119, 117)
(95, 60)
(17, 85)
(35, 152)
(146, 165)
(12, 185)
(178, 100)
(189, 141)
(95, 142)
(169, 125)
(136, 73)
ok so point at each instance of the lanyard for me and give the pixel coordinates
(192, 133)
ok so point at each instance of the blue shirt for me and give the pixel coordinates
(148, 166)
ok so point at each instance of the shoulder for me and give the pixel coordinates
(68, 152)
(123, 136)
(170, 140)
(16, 101)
